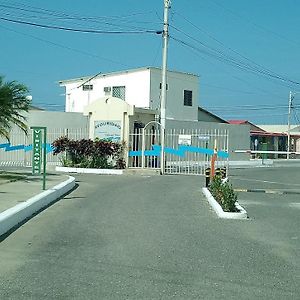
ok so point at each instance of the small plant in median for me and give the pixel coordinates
(223, 193)
(99, 154)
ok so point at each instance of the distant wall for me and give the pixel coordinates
(239, 135)
(55, 119)
(18, 151)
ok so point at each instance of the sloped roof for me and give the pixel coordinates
(253, 127)
(238, 122)
(218, 119)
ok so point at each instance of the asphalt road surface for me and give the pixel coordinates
(155, 237)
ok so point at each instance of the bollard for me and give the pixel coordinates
(218, 172)
(207, 177)
(223, 172)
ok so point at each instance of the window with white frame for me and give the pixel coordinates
(118, 92)
(188, 98)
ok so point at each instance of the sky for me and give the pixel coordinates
(247, 53)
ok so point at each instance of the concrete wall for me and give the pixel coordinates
(177, 83)
(109, 109)
(238, 135)
(55, 119)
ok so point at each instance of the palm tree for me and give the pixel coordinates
(13, 102)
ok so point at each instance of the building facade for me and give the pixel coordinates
(140, 88)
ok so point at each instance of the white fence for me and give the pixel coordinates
(17, 152)
(187, 151)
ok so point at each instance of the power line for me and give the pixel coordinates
(245, 19)
(246, 116)
(296, 116)
(234, 63)
(223, 45)
(240, 91)
(49, 12)
(79, 30)
(63, 46)
(41, 14)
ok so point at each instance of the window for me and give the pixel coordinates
(188, 98)
(87, 87)
(118, 92)
(167, 86)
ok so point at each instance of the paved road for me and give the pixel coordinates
(271, 178)
(129, 237)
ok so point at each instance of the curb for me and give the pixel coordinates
(267, 191)
(242, 215)
(255, 163)
(89, 171)
(11, 217)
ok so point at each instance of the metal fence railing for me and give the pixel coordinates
(187, 151)
(18, 151)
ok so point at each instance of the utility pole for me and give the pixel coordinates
(289, 125)
(165, 34)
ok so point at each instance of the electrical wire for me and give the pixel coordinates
(79, 30)
(49, 12)
(64, 46)
(220, 52)
(296, 117)
(246, 19)
(223, 45)
(21, 13)
(235, 63)
(246, 116)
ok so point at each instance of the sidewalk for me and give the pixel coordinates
(21, 195)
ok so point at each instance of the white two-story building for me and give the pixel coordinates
(138, 87)
(118, 104)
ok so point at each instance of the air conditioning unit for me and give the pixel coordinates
(107, 89)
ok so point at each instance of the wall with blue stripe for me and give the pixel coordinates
(7, 147)
(155, 151)
(181, 151)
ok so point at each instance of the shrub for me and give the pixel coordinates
(99, 154)
(223, 193)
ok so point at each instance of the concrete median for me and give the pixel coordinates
(13, 216)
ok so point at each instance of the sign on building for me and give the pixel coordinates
(108, 130)
(184, 139)
(203, 137)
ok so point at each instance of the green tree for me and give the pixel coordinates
(13, 102)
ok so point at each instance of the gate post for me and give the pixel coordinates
(143, 148)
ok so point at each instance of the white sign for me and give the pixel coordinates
(203, 137)
(184, 139)
(108, 130)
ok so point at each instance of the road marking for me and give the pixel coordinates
(267, 191)
(265, 181)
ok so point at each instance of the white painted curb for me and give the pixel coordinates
(242, 214)
(252, 163)
(17, 214)
(89, 171)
